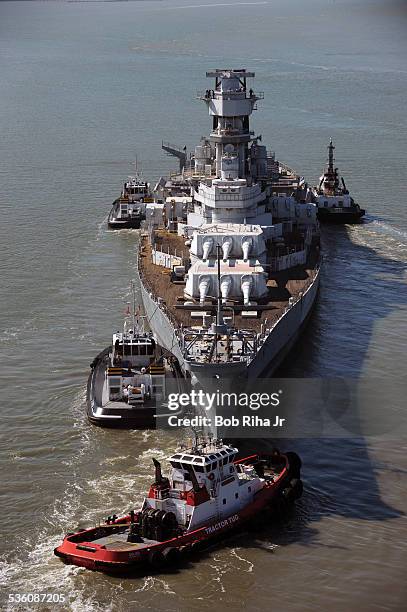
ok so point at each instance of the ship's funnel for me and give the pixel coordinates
(158, 473)
(204, 286)
(247, 244)
(246, 285)
(207, 247)
(226, 247)
(225, 287)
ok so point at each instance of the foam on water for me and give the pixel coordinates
(385, 239)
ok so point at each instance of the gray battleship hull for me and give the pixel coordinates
(275, 349)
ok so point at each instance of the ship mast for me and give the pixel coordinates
(331, 160)
(219, 317)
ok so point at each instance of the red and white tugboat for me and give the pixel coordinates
(208, 494)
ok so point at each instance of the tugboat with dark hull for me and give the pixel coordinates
(335, 205)
(130, 379)
(128, 211)
(208, 495)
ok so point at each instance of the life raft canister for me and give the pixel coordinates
(211, 476)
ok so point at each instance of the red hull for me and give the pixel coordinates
(79, 549)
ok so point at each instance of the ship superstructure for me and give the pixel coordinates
(197, 480)
(229, 276)
(335, 204)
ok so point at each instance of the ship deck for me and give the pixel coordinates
(281, 287)
(118, 542)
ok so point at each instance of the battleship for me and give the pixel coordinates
(230, 265)
(335, 204)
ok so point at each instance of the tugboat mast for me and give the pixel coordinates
(331, 157)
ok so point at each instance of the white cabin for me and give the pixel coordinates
(204, 485)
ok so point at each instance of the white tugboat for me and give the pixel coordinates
(129, 380)
(335, 204)
(229, 281)
(207, 495)
(128, 211)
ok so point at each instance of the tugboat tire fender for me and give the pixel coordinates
(297, 487)
(294, 464)
(156, 559)
(196, 547)
(171, 555)
(294, 490)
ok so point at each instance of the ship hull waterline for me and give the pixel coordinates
(341, 218)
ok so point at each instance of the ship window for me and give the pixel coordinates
(236, 495)
(185, 467)
(214, 465)
(176, 464)
(187, 457)
(224, 501)
(115, 389)
(208, 468)
(198, 468)
(249, 489)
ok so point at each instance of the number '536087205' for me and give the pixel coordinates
(36, 598)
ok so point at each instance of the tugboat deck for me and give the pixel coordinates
(118, 542)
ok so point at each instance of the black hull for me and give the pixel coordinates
(117, 224)
(344, 216)
(137, 418)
